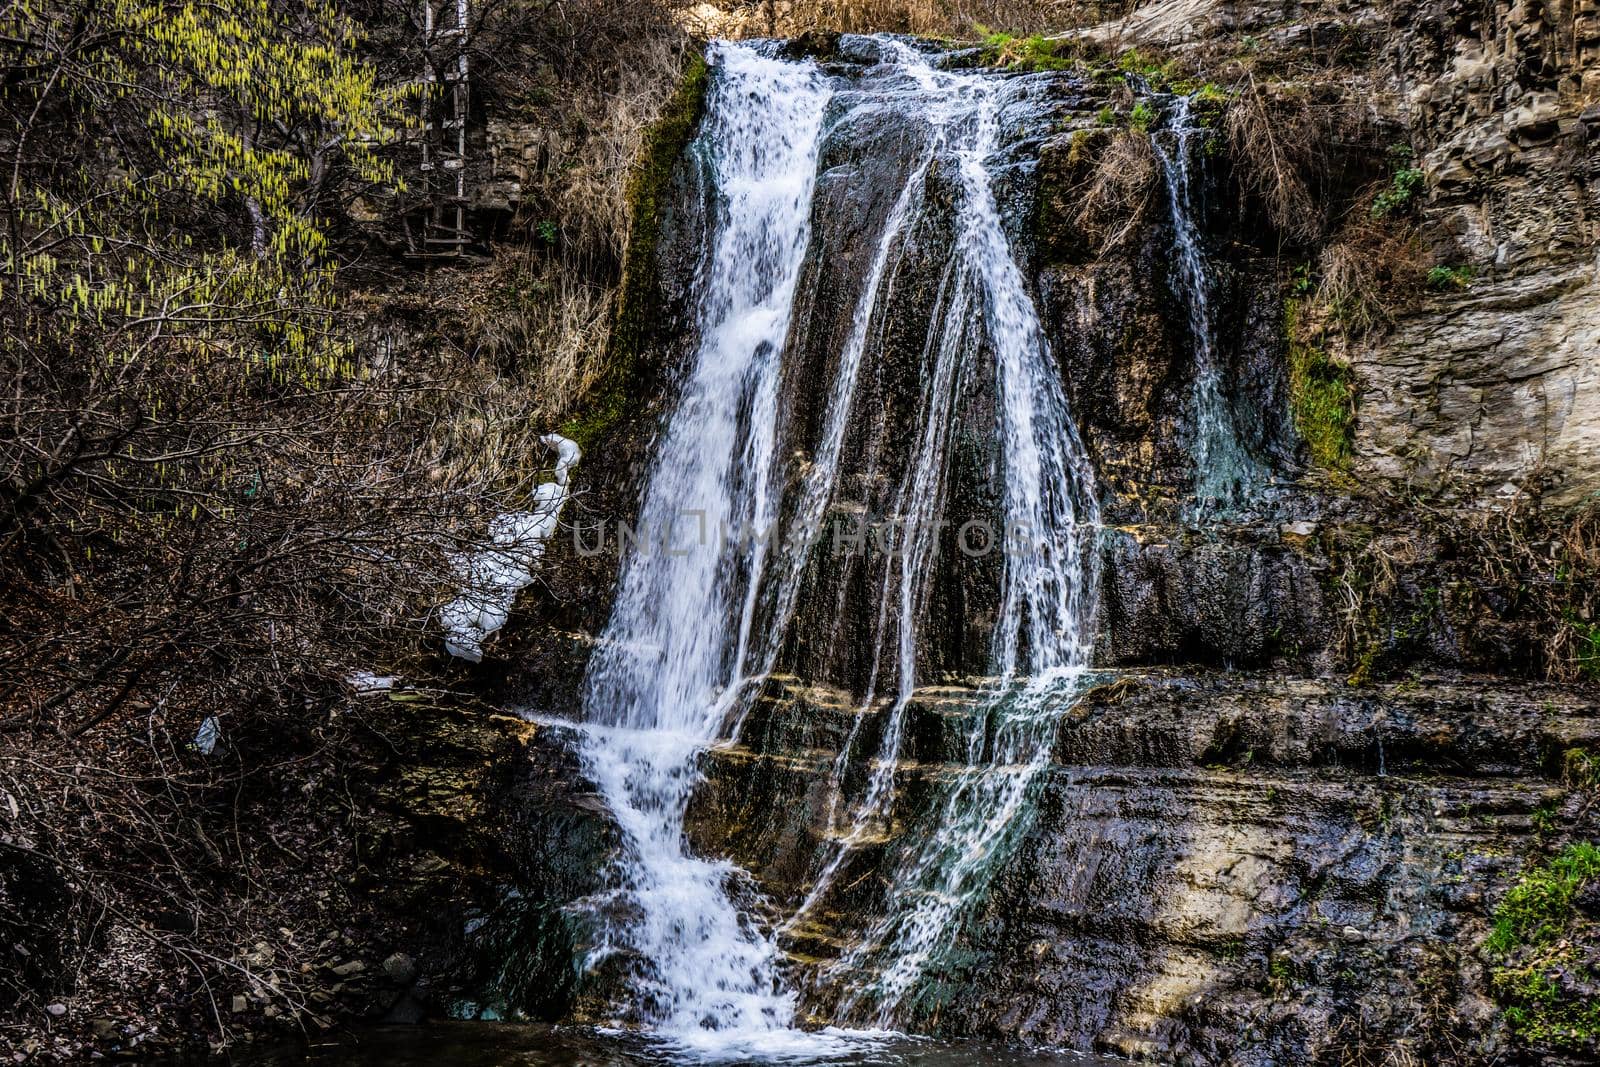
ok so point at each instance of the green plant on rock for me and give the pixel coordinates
(1142, 116)
(1281, 973)
(1538, 939)
(1405, 185)
(1158, 75)
(1321, 396)
(1535, 911)
(1402, 192)
(1586, 654)
(1013, 52)
(1443, 279)
(1544, 818)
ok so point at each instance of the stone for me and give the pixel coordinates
(1490, 388)
(1182, 825)
(345, 970)
(56, 1010)
(400, 968)
(1537, 114)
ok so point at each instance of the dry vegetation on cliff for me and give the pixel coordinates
(229, 482)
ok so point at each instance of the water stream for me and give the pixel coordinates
(1042, 642)
(1225, 472)
(693, 629)
(668, 670)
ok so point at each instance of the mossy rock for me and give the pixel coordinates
(1321, 396)
(1545, 940)
(616, 397)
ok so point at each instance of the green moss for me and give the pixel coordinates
(1082, 146)
(1450, 279)
(1281, 972)
(1321, 397)
(1012, 52)
(1539, 939)
(638, 296)
(1142, 116)
(1535, 911)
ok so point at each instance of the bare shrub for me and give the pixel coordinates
(1275, 148)
(1518, 583)
(1114, 198)
(1373, 270)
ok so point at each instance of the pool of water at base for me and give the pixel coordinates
(533, 1045)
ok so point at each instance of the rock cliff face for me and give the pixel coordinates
(1243, 868)
(1316, 753)
(1501, 104)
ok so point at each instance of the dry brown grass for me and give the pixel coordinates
(1277, 144)
(1372, 271)
(547, 327)
(1114, 199)
(584, 188)
(930, 18)
(592, 75)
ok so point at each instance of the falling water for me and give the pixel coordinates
(1225, 473)
(692, 631)
(669, 669)
(1042, 642)
(908, 89)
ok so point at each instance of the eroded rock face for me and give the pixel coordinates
(1244, 868)
(1490, 387)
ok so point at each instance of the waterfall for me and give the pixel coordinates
(1225, 472)
(695, 626)
(1043, 640)
(918, 499)
(669, 667)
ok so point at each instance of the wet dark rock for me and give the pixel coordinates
(1238, 595)
(518, 952)
(1209, 852)
(400, 968)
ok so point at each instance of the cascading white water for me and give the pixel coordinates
(670, 665)
(1225, 473)
(691, 631)
(1043, 641)
(1044, 635)
(918, 500)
